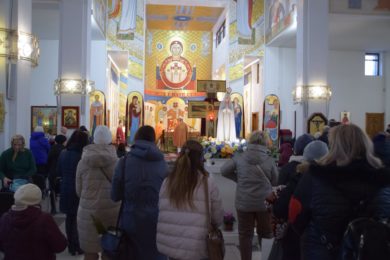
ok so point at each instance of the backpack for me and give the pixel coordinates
(366, 238)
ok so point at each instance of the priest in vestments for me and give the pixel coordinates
(180, 135)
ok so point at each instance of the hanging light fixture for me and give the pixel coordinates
(73, 86)
(311, 92)
(17, 45)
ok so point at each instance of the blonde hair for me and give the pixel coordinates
(182, 182)
(348, 143)
(257, 137)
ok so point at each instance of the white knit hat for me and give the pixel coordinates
(102, 135)
(28, 195)
(39, 128)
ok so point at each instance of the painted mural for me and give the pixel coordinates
(135, 105)
(97, 112)
(271, 119)
(280, 14)
(125, 31)
(238, 106)
(99, 11)
(240, 45)
(175, 60)
(372, 7)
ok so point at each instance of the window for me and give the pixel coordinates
(220, 34)
(371, 64)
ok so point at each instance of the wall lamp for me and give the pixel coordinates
(73, 86)
(17, 45)
(311, 92)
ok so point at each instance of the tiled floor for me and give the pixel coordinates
(227, 190)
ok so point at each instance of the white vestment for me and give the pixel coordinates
(226, 128)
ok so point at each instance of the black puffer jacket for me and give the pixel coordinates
(326, 200)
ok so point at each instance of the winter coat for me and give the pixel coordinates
(40, 147)
(30, 234)
(253, 186)
(145, 171)
(324, 201)
(286, 150)
(181, 233)
(93, 186)
(23, 167)
(52, 159)
(66, 168)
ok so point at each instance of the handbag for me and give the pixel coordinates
(215, 242)
(114, 241)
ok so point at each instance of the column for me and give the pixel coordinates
(74, 57)
(15, 75)
(312, 57)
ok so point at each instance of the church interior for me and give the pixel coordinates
(285, 67)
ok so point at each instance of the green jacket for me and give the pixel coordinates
(22, 167)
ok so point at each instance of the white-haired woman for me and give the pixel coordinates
(347, 178)
(255, 173)
(93, 186)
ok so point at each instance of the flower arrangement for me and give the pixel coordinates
(215, 149)
(228, 218)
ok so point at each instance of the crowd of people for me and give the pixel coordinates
(304, 203)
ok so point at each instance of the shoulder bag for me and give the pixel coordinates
(215, 242)
(115, 244)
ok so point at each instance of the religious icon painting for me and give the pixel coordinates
(176, 109)
(70, 117)
(97, 110)
(45, 116)
(238, 106)
(134, 114)
(271, 120)
(345, 117)
(316, 123)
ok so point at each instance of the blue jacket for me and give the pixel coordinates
(66, 168)
(144, 173)
(325, 201)
(40, 147)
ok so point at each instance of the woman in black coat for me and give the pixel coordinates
(52, 160)
(328, 196)
(69, 202)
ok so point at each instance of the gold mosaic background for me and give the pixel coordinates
(201, 56)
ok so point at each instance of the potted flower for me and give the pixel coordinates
(228, 220)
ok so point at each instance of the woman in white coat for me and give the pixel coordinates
(182, 223)
(93, 186)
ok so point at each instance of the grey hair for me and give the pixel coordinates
(257, 137)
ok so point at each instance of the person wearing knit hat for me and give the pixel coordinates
(301, 143)
(60, 139)
(102, 135)
(28, 195)
(94, 175)
(26, 232)
(315, 150)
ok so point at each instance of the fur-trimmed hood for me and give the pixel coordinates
(356, 178)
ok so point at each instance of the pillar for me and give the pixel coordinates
(15, 75)
(312, 55)
(74, 53)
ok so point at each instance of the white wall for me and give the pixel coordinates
(280, 79)
(98, 65)
(44, 75)
(351, 90)
(386, 83)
